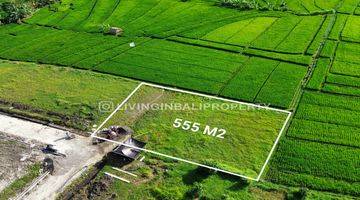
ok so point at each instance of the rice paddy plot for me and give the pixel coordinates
(242, 32)
(351, 30)
(348, 52)
(319, 74)
(345, 68)
(317, 165)
(340, 89)
(200, 129)
(61, 95)
(301, 35)
(155, 60)
(322, 133)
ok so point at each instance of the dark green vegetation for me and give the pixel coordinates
(32, 172)
(172, 180)
(167, 179)
(14, 11)
(61, 95)
(298, 6)
(242, 124)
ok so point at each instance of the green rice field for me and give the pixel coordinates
(302, 56)
(235, 136)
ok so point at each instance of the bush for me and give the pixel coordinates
(13, 12)
(239, 4)
(105, 28)
(197, 192)
(299, 195)
(251, 4)
(43, 3)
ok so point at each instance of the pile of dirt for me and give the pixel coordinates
(99, 187)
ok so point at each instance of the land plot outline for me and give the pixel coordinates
(241, 138)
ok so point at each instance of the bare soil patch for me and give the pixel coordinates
(16, 155)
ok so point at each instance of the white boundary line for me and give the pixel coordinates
(203, 95)
(174, 158)
(274, 147)
(123, 171)
(114, 176)
(117, 109)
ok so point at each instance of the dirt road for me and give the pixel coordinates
(79, 152)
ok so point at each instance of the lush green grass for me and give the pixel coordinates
(326, 160)
(159, 179)
(161, 61)
(301, 36)
(242, 125)
(335, 101)
(320, 150)
(173, 63)
(73, 94)
(250, 79)
(276, 33)
(168, 180)
(291, 58)
(285, 77)
(328, 49)
(196, 19)
(328, 115)
(324, 132)
(320, 36)
(207, 44)
(351, 29)
(338, 26)
(315, 195)
(327, 5)
(242, 32)
(343, 80)
(14, 188)
(351, 69)
(259, 79)
(348, 52)
(349, 6)
(318, 76)
(315, 165)
(253, 56)
(339, 89)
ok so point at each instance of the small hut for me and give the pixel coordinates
(129, 149)
(116, 31)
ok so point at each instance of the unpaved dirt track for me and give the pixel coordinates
(79, 153)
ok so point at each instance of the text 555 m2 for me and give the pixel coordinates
(197, 127)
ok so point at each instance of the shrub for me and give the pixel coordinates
(251, 4)
(105, 28)
(239, 4)
(298, 195)
(197, 192)
(13, 12)
(42, 3)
